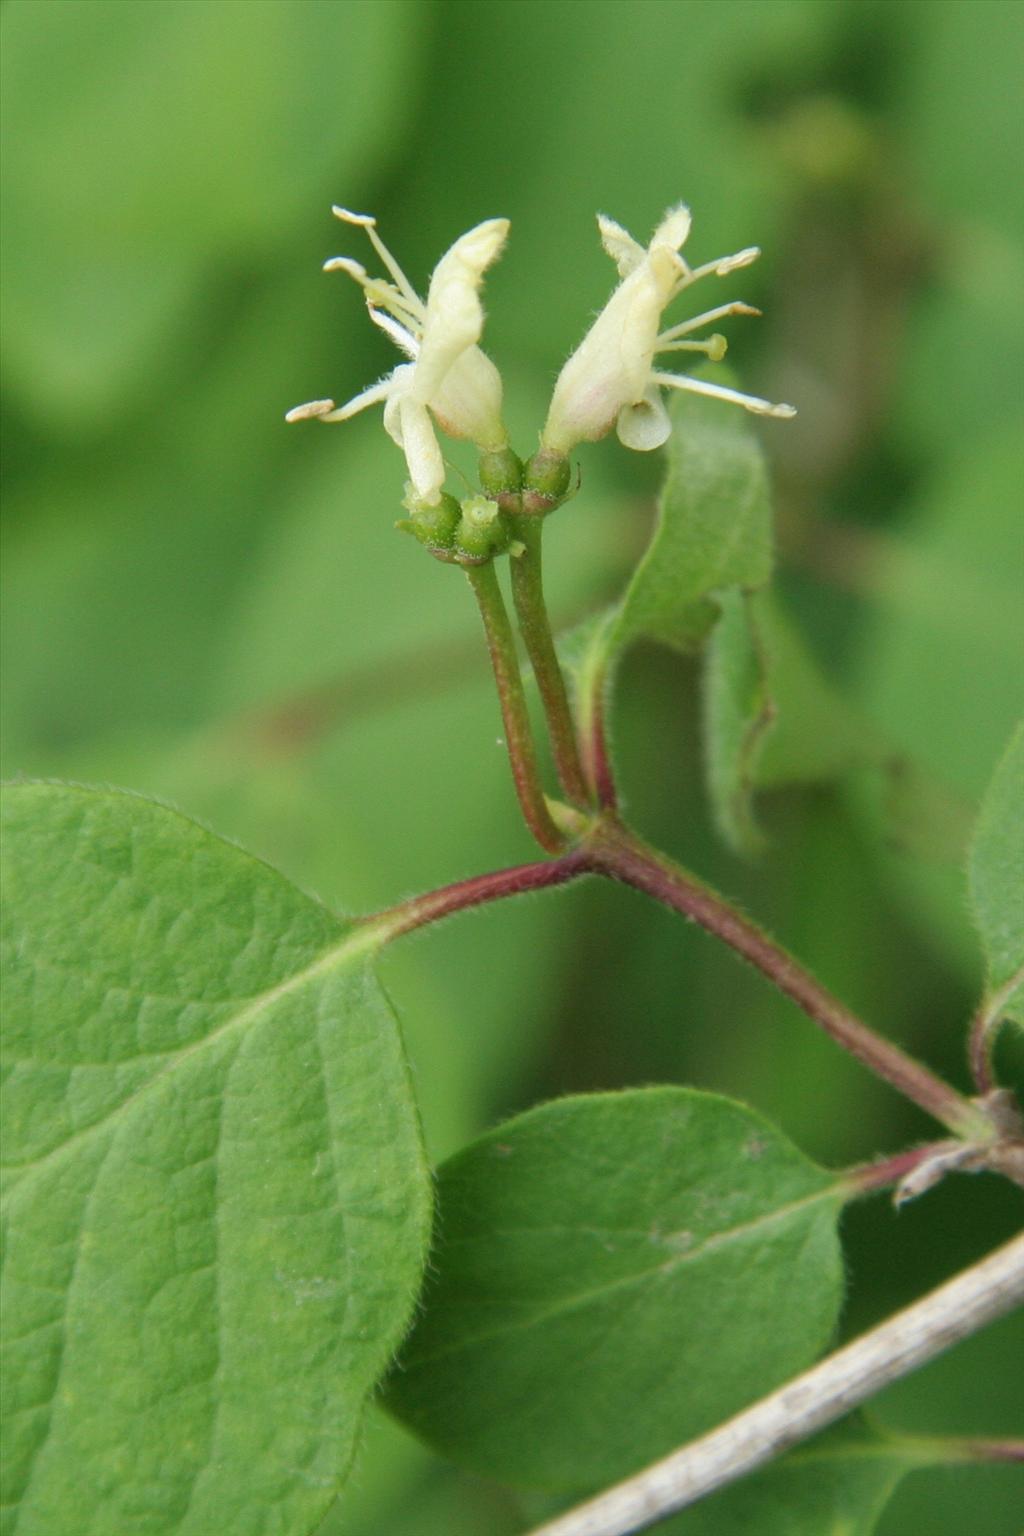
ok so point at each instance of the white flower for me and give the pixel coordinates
(448, 376)
(611, 379)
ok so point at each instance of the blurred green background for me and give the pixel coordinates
(204, 604)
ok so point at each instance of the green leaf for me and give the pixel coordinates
(836, 1485)
(996, 880)
(214, 1198)
(942, 615)
(771, 718)
(613, 1274)
(738, 713)
(714, 530)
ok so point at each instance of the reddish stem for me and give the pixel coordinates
(528, 595)
(518, 734)
(598, 761)
(989, 1450)
(479, 890)
(621, 854)
(866, 1178)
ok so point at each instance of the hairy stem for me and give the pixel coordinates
(476, 892)
(618, 852)
(971, 1449)
(518, 735)
(595, 749)
(867, 1178)
(801, 1408)
(528, 596)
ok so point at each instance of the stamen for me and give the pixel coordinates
(367, 397)
(403, 339)
(721, 392)
(369, 223)
(363, 220)
(742, 258)
(310, 410)
(714, 347)
(378, 292)
(721, 267)
(721, 313)
(346, 264)
(386, 296)
(399, 276)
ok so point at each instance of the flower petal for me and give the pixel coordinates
(674, 228)
(646, 424)
(455, 316)
(422, 451)
(626, 252)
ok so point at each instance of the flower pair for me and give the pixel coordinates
(609, 381)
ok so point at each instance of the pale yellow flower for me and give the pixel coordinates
(448, 378)
(611, 379)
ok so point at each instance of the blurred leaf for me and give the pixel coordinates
(215, 1197)
(836, 1485)
(996, 879)
(942, 615)
(604, 1270)
(770, 717)
(961, 166)
(738, 713)
(189, 136)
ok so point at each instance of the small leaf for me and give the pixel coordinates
(738, 712)
(996, 879)
(771, 717)
(613, 1274)
(714, 530)
(214, 1195)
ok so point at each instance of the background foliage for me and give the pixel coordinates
(205, 605)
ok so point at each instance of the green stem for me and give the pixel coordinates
(617, 851)
(528, 595)
(508, 677)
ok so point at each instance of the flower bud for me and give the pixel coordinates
(482, 532)
(546, 479)
(501, 473)
(434, 526)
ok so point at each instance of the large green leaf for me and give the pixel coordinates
(996, 878)
(215, 1201)
(613, 1274)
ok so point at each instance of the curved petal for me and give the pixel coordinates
(674, 228)
(645, 425)
(455, 316)
(626, 252)
(422, 451)
(467, 403)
